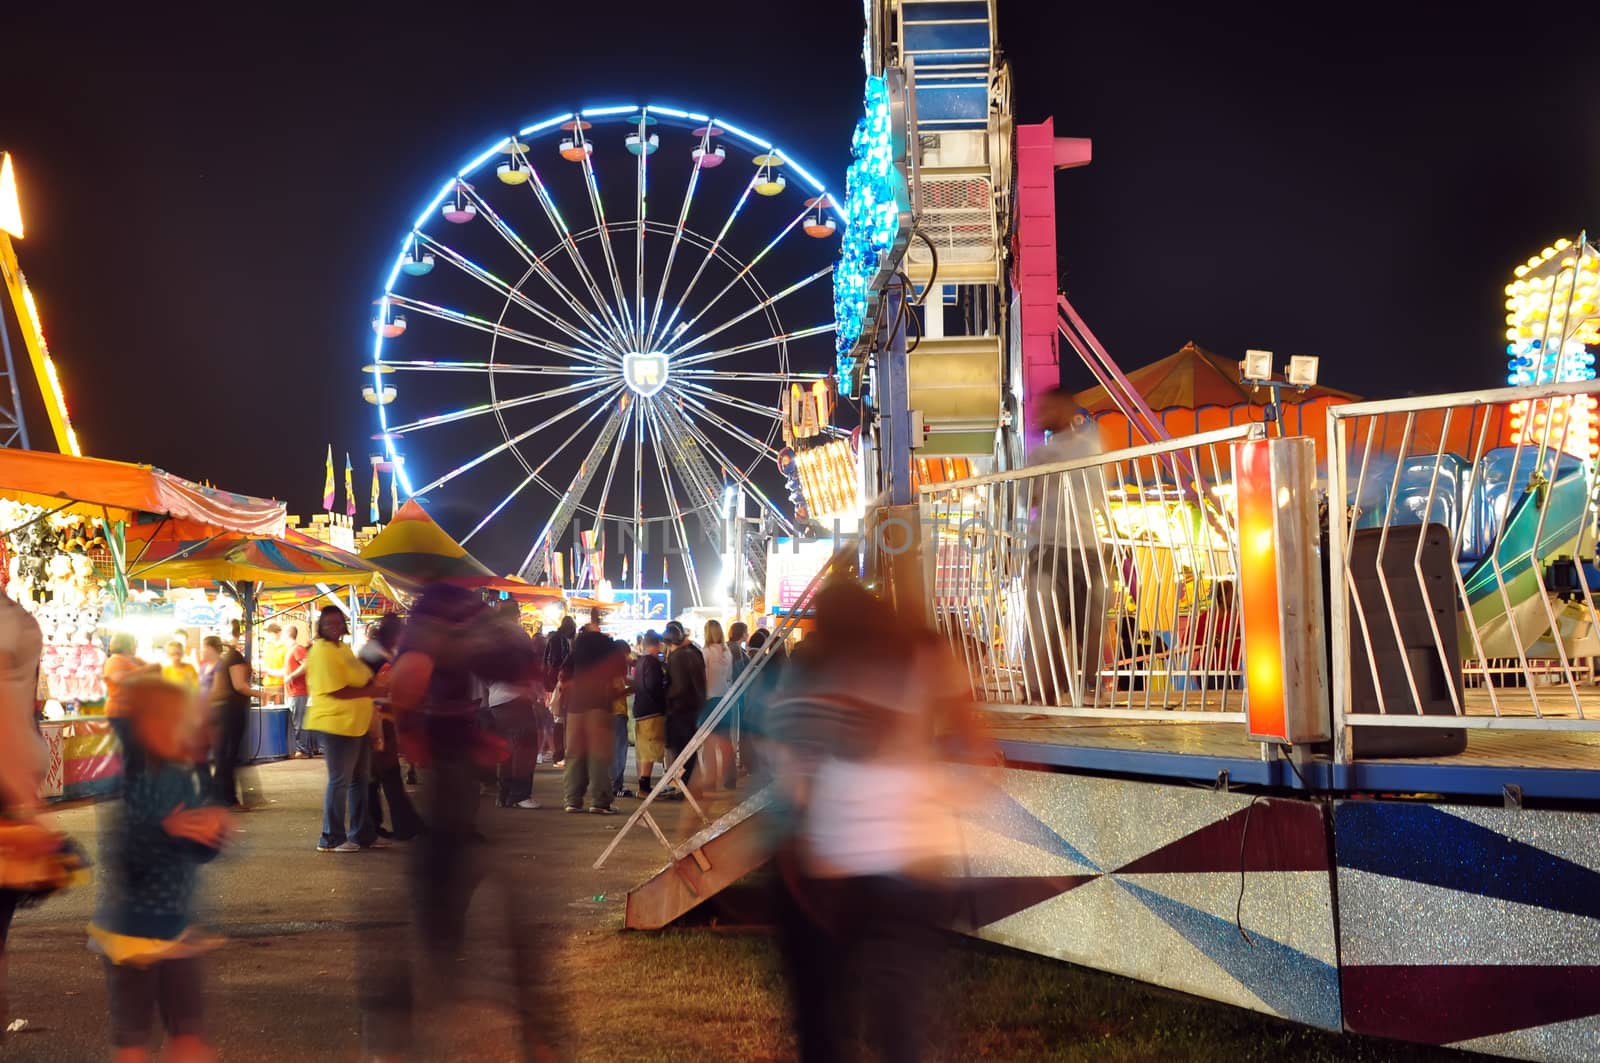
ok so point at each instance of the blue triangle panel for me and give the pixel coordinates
(1003, 814)
(1291, 983)
(1421, 844)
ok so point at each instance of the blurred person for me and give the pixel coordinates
(649, 709)
(178, 671)
(274, 653)
(586, 704)
(511, 708)
(388, 784)
(341, 710)
(1067, 565)
(230, 694)
(621, 687)
(544, 726)
(294, 686)
(872, 825)
(159, 833)
(758, 694)
(686, 693)
(716, 756)
(557, 649)
(738, 646)
(31, 849)
(449, 645)
(122, 665)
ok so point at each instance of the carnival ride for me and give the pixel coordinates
(13, 419)
(634, 368)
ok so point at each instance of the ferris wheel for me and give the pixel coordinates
(609, 318)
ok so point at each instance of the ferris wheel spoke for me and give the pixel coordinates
(638, 250)
(629, 333)
(553, 214)
(567, 505)
(501, 448)
(738, 375)
(672, 254)
(536, 262)
(738, 403)
(600, 409)
(760, 307)
(638, 498)
(672, 505)
(539, 264)
(527, 339)
(753, 345)
(667, 328)
(748, 266)
(761, 447)
(492, 407)
(434, 366)
(511, 292)
(734, 471)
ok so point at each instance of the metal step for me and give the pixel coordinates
(729, 849)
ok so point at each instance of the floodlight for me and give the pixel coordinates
(1303, 370)
(1256, 367)
(377, 397)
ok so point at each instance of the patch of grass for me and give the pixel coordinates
(698, 995)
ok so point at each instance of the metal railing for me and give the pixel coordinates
(1104, 586)
(844, 559)
(1462, 560)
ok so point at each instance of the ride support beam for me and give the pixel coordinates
(894, 400)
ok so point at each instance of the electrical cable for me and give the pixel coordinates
(1238, 907)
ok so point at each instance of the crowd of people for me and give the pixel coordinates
(845, 727)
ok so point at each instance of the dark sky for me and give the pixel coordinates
(213, 195)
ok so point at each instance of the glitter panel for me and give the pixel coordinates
(1176, 926)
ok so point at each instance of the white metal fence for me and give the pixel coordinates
(1105, 586)
(1462, 557)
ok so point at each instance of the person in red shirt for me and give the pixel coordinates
(294, 684)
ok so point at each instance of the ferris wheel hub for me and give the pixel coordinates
(645, 372)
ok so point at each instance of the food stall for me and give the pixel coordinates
(64, 523)
(242, 567)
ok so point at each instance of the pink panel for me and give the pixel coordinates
(1034, 269)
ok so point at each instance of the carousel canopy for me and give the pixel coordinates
(1193, 378)
(93, 487)
(413, 551)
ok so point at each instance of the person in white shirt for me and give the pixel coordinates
(1068, 569)
(24, 758)
(716, 756)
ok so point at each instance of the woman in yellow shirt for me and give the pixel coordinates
(341, 690)
(178, 671)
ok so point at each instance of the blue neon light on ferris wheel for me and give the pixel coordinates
(494, 149)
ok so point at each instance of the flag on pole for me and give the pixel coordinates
(349, 487)
(394, 489)
(327, 483)
(372, 508)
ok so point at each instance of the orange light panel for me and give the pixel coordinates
(1266, 718)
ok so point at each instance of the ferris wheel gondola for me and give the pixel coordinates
(634, 364)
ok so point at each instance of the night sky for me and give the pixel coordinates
(214, 197)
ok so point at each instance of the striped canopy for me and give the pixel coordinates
(413, 550)
(185, 552)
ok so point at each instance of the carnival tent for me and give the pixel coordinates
(413, 550)
(118, 491)
(1193, 378)
(183, 551)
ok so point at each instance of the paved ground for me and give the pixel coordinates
(283, 987)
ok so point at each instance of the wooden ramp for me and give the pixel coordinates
(708, 863)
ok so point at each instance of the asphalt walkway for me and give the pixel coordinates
(283, 987)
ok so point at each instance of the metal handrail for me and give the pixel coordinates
(848, 549)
